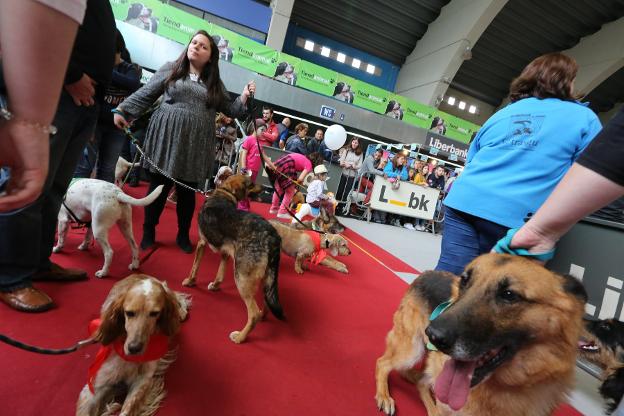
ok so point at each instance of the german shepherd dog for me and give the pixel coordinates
(248, 239)
(602, 343)
(325, 221)
(506, 345)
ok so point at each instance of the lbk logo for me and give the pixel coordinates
(416, 201)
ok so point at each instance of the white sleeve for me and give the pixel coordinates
(314, 190)
(75, 9)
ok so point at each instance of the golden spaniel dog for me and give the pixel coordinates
(138, 318)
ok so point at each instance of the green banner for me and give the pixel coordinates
(418, 114)
(345, 88)
(180, 26)
(316, 78)
(287, 69)
(175, 24)
(371, 97)
(252, 55)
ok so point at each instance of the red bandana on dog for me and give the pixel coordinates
(319, 253)
(157, 347)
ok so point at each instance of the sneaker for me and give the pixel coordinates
(284, 215)
(409, 226)
(419, 227)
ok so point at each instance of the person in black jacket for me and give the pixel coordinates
(109, 140)
(27, 236)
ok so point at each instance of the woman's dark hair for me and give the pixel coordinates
(390, 106)
(358, 150)
(217, 94)
(120, 47)
(316, 158)
(338, 88)
(281, 67)
(396, 158)
(547, 76)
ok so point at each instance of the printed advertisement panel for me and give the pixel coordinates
(287, 69)
(410, 199)
(371, 97)
(316, 78)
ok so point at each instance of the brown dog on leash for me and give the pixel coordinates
(248, 239)
(310, 245)
(506, 345)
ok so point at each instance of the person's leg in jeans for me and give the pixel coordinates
(112, 141)
(489, 233)
(460, 242)
(185, 208)
(88, 156)
(153, 210)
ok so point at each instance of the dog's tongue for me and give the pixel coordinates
(453, 384)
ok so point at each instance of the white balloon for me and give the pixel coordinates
(335, 137)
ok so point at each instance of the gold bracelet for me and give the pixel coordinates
(8, 116)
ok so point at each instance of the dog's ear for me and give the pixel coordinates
(575, 287)
(112, 321)
(169, 320)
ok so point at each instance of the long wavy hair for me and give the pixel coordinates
(547, 76)
(209, 75)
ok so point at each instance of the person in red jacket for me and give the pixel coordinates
(272, 132)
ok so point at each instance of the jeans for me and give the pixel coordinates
(107, 146)
(464, 238)
(27, 235)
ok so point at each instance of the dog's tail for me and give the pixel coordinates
(270, 284)
(127, 199)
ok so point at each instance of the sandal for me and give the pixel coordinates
(502, 246)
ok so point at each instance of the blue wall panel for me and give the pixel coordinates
(245, 12)
(389, 72)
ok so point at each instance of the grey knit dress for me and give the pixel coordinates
(180, 137)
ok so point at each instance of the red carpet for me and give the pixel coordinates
(321, 361)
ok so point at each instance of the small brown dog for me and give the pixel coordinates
(326, 222)
(506, 345)
(138, 317)
(248, 239)
(313, 246)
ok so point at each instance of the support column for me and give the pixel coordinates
(598, 56)
(430, 68)
(279, 23)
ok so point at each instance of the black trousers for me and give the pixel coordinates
(184, 208)
(345, 186)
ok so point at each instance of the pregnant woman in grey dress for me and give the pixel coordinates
(180, 137)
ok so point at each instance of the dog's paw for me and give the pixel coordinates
(385, 404)
(188, 282)
(299, 270)
(101, 273)
(343, 270)
(237, 337)
(134, 265)
(57, 249)
(214, 286)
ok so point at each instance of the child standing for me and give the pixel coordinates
(315, 195)
(250, 162)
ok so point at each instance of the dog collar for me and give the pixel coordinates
(436, 312)
(157, 347)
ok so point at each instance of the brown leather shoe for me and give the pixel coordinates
(27, 299)
(57, 273)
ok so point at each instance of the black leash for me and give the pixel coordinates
(48, 351)
(75, 218)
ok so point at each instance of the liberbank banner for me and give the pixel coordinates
(172, 23)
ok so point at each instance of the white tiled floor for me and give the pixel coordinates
(421, 251)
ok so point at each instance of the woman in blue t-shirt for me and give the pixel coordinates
(516, 159)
